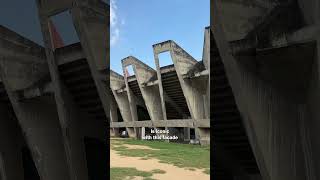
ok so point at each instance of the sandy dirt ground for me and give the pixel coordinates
(131, 146)
(172, 172)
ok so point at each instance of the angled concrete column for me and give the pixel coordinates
(206, 48)
(194, 91)
(39, 120)
(312, 126)
(133, 99)
(206, 62)
(91, 20)
(38, 117)
(11, 165)
(274, 116)
(113, 116)
(119, 89)
(150, 94)
(71, 129)
(149, 88)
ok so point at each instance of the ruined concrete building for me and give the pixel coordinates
(53, 100)
(174, 97)
(266, 89)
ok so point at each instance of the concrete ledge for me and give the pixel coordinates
(121, 124)
(174, 123)
(203, 123)
(147, 123)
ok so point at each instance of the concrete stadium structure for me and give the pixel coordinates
(53, 101)
(266, 89)
(174, 97)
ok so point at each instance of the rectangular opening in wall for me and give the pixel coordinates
(175, 102)
(96, 157)
(129, 71)
(62, 30)
(165, 59)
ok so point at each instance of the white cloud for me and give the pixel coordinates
(113, 15)
(115, 34)
(115, 29)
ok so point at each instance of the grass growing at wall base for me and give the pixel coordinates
(181, 155)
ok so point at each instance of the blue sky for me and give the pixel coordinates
(138, 24)
(22, 18)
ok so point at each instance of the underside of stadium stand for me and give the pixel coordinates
(173, 97)
(265, 89)
(53, 99)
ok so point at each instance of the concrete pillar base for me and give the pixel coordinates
(131, 132)
(186, 134)
(204, 136)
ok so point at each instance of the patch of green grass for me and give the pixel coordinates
(158, 171)
(180, 155)
(117, 173)
(144, 158)
(191, 169)
(207, 171)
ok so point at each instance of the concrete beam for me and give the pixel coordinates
(39, 121)
(113, 115)
(270, 115)
(116, 82)
(69, 54)
(72, 122)
(183, 63)
(28, 118)
(189, 123)
(23, 63)
(150, 94)
(206, 48)
(44, 89)
(13, 37)
(241, 15)
(53, 7)
(94, 37)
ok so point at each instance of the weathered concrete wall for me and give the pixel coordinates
(10, 149)
(194, 82)
(195, 91)
(53, 124)
(117, 83)
(150, 94)
(242, 16)
(76, 124)
(312, 125)
(276, 117)
(113, 116)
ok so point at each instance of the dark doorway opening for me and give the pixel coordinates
(30, 170)
(143, 114)
(96, 155)
(119, 115)
(192, 133)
